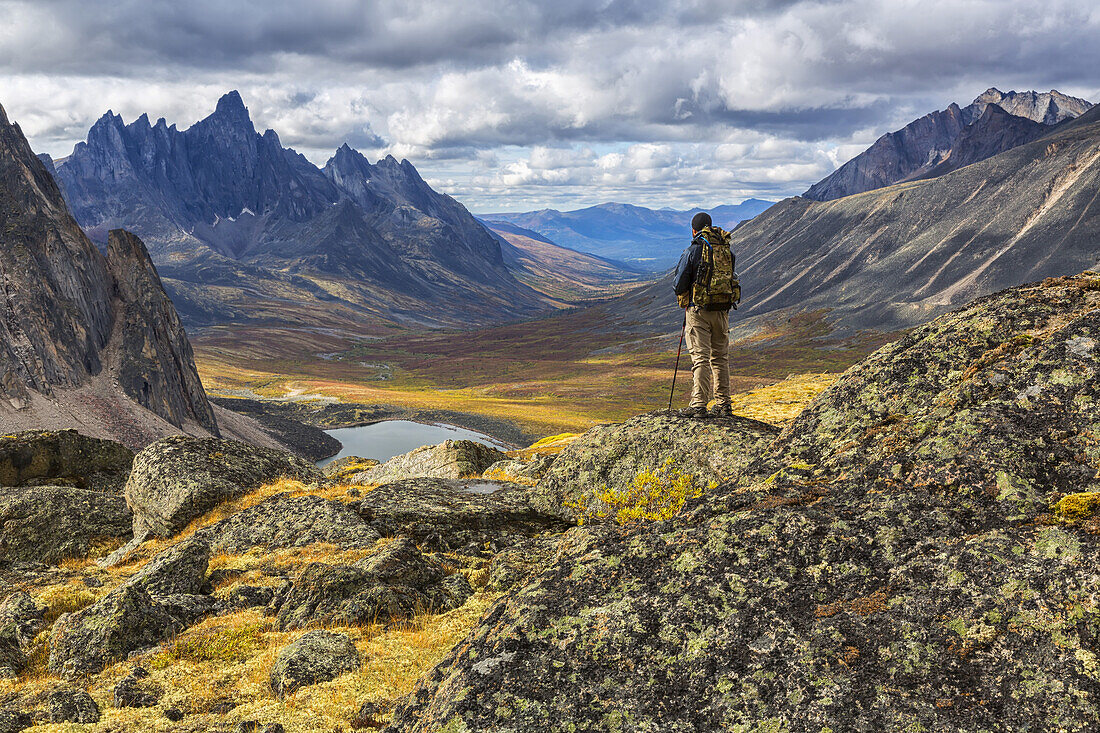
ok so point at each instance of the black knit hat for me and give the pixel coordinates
(700, 221)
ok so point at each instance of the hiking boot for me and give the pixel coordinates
(721, 411)
(696, 412)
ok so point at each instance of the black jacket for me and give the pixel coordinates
(688, 266)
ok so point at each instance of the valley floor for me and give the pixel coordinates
(563, 373)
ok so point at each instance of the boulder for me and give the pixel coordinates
(63, 457)
(612, 456)
(180, 569)
(286, 521)
(134, 691)
(12, 658)
(23, 616)
(125, 620)
(346, 467)
(317, 656)
(899, 567)
(67, 705)
(525, 471)
(13, 721)
(446, 514)
(451, 459)
(179, 478)
(162, 599)
(397, 582)
(52, 523)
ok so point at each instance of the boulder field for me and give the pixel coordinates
(918, 550)
(893, 560)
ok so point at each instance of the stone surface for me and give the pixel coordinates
(126, 620)
(24, 617)
(317, 656)
(397, 582)
(178, 478)
(898, 568)
(285, 521)
(52, 523)
(610, 456)
(67, 705)
(446, 514)
(157, 365)
(451, 459)
(65, 457)
(12, 658)
(162, 599)
(134, 691)
(13, 721)
(180, 569)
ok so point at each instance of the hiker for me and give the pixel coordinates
(706, 288)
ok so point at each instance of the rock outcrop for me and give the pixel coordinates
(447, 514)
(166, 596)
(63, 457)
(315, 657)
(179, 478)
(611, 456)
(902, 565)
(69, 705)
(285, 521)
(53, 523)
(157, 368)
(397, 582)
(450, 459)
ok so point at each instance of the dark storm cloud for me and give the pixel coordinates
(757, 96)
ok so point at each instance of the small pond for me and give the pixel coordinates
(389, 438)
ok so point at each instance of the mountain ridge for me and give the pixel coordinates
(635, 235)
(222, 195)
(925, 144)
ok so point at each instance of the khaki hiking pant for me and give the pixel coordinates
(708, 338)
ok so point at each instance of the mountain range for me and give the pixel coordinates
(88, 340)
(897, 256)
(644, 239)
(949, 139)
(240, 226)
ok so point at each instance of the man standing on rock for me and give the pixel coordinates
(706, 288)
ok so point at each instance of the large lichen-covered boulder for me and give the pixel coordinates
(286, 521)
(166, 596)
(446, 513)
(450, 459)
(63, 457)
(397, 582)
(125, 620)
(52, 523)
(317, 656)
(179, 569)
(178, 478)
(611, 456)
(899, 569)
(68, 705)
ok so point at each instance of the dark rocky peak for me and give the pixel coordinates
(230, 109)
(924, 144)
(55, 314)
(994, 132)
(156, 363)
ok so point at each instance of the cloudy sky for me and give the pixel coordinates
(517, 104)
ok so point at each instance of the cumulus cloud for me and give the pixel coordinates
(509, 101)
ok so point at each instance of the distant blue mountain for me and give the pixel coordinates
(647, 238)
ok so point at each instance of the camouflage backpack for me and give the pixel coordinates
(716, 287)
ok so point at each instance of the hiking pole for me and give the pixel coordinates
(677, 369)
